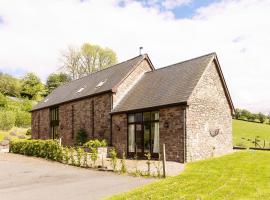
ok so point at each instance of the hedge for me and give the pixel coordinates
(49, 149)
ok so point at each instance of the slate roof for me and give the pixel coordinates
(169, 85)
(110, 76)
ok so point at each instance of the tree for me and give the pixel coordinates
(71, 62)
(261, 117)
(54, 80)
(9, 85)
(238, 113)
(32, 87)
(246, 114)
(86, 60)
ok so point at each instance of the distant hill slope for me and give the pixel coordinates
(249, 130)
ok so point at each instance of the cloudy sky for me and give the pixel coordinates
(34, 32)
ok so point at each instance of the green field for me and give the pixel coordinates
(242, 131)
(241, 175)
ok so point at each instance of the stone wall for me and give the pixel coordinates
(171, 122)
(41, 124)
(119, 133)
(91, 114)
(172, 135)
(130, 81)
(209, 111)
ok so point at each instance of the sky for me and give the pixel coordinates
(33, 33)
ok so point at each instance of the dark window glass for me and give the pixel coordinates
(54, 122)
(138, 117)
(146, 116)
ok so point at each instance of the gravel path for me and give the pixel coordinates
(28, 178)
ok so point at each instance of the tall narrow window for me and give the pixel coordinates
(54, 123)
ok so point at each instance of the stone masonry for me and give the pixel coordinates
(208, 111)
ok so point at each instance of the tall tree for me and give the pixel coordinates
(54, 80)
(86, 60)
(32, 87)
(71, 59)
(10, 85)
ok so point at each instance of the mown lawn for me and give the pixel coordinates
(241, 175)
(249, 130)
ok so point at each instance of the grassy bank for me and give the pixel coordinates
(242, 175)
(243, 130)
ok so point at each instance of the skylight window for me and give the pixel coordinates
(101, 83)
(79, 90)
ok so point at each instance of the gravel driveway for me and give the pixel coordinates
(28, 178)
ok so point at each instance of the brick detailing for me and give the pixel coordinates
(130, 81)
(209, 110)
(41, 124)
(171, 127)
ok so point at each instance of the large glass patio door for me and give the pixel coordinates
(143, 134)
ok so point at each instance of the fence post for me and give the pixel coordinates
(164, 161)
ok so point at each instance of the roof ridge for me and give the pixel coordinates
(172, 65)
(143, 56)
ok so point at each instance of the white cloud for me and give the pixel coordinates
(34, 32)
(170, 4)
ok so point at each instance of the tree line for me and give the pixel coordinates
(244, 114)
(76, 63)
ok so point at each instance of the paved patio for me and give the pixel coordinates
(28, 178)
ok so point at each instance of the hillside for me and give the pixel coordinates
(245, 132)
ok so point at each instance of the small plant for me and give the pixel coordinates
(113, 156)
(28, 132)
(123, 164)
(85, 155)
(148, 162)
(66, 155)
(79, 156)
(158, 166)
(136, 165)
(81, 137)
(94, 156)
(95, 144)
(72, 156)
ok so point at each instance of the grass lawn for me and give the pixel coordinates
(241, 175)
(249, 130)
(14, 133)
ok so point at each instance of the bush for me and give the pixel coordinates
(113, 156)
(7, 120)
(48, 149)
(28, 132)
(94, 144)
(81, 137)
(23, 119)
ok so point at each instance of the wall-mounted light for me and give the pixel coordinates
(166, 124)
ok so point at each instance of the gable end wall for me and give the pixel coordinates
(130, 81)
(208, 110)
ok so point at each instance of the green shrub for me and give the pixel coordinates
(113, 156)
(23, 119)
(94, 144)
(7, 120)
(28, 132)
(81, 137)
(48, 149)
(123, 164)
(94, 156)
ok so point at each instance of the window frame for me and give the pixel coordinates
(54, 123)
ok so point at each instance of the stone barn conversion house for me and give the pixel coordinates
(137, 108)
